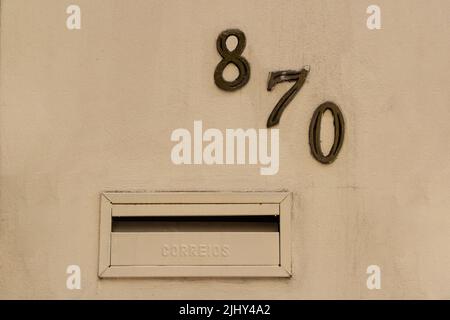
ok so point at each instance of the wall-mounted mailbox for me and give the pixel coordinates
(195, 234)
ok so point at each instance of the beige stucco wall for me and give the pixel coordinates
(92, 110)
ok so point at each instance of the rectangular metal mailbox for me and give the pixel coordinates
(195, 234)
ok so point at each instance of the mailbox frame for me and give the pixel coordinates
(244, 200)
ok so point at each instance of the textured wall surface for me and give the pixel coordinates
(92, 110)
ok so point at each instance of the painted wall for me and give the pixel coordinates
(92, 110)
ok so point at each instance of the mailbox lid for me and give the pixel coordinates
(195, 248)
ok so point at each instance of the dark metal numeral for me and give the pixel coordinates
(281, 76)
(314, 132)
(233, 57)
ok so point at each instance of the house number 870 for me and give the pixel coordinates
(298, 77)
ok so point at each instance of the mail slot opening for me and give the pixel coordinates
(196, 224)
